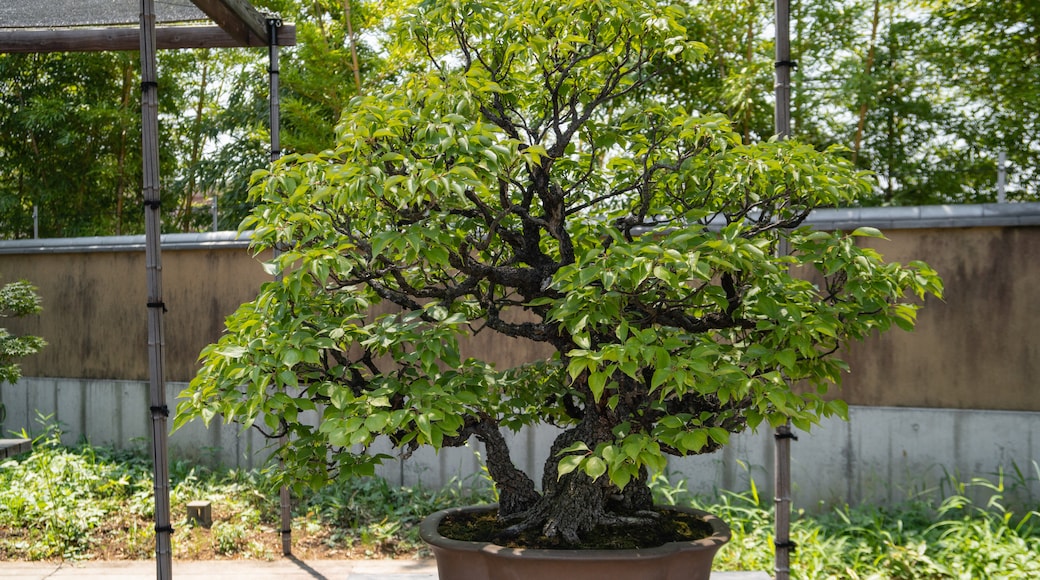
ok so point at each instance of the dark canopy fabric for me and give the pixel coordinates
(68, 13)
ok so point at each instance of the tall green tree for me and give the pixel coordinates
(69, 144)
(334, 60)
(220, 139)
(70, 141)
(989, 55)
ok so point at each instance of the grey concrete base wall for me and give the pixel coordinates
(116, 413)
(884, 455)
(881, 455)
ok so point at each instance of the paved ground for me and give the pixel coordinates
(284, 569)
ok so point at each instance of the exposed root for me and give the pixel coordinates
(638, 519)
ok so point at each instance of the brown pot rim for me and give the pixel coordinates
(428, 531)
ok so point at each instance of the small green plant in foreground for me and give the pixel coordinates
(924, 538)
(77, 502)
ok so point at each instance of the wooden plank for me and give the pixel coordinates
(239, 18)
(12, 447)
(125, 39)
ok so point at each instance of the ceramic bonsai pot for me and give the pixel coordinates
(466, 560)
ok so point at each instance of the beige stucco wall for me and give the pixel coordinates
(975, 350)
(94, 317)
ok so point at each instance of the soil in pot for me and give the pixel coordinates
(670, 526)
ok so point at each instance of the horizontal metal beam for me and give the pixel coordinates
(129, 39)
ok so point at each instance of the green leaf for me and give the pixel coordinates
(720, 435)
(620, 477)
(595, 467)
(597, 382)
(576, 446)
(868, 232)
(291, 357)
(694, 441)
(568, 464)
(377, 421)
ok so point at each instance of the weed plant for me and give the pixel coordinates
(61, 502)
(75, 502)
(933, 536)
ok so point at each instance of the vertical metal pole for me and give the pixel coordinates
(275, 103)
(782, 112)
(1001, 176)
(36, 222)
(275, 109)
(782, 502)
(782, 459)
(156, 308)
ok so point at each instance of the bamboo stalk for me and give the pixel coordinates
(782, 112)
(156, 308)
(274, 106)
(782, 467)
(782, 471)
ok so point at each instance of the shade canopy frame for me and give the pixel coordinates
(104, 25)
(116, 25)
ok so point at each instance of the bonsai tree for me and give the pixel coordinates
(533, 182)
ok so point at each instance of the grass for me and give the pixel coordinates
(933, 536)
(87, 502)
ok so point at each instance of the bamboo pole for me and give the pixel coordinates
(156, 308)
(274, 106)
(782, 501)
(782, 112)
(782, 457)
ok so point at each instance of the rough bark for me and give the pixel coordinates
(574, 504)
(516, 491)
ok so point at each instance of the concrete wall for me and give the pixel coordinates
(94, 298)
(881, 455)
(115, 413)
(976, 349)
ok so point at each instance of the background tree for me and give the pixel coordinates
(989, 54)
(17, 299)
(221, 141)
(536, 185)
(69, 144)
(925, 94)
